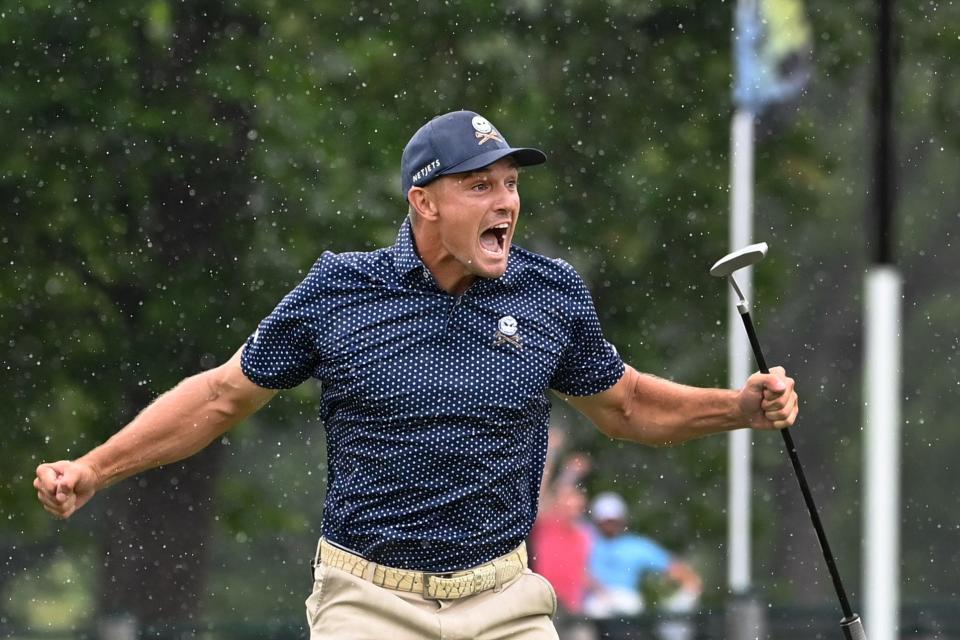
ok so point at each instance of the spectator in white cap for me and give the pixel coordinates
(619, 561)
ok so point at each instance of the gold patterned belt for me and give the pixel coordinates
(438, 586)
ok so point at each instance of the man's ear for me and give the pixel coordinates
(422, 203)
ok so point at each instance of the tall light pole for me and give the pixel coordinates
(766, 35)
(746, 620)
(882, 363)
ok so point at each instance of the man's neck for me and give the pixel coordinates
(452, 283)
(448, 273)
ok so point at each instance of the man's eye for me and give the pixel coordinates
(480, 186)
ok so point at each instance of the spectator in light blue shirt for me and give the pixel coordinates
(619, 560)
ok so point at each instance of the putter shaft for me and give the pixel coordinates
(851, 620)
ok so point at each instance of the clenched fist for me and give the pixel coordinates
(65, 486)
(769, 401)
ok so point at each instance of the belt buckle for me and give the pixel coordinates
(428, 578)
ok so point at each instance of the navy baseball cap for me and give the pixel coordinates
(457, 142)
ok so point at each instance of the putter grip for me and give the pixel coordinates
(853, 628)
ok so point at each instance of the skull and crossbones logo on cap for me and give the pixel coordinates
(484, 131)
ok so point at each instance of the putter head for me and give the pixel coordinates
(739, 259)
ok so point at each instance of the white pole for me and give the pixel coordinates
(739, 363)
(881, 549)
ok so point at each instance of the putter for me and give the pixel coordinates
(724, 268)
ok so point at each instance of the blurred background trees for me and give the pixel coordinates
(171, 169)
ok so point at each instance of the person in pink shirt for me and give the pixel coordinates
(561, 539)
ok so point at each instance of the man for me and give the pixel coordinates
(435, 356)
(619, 560)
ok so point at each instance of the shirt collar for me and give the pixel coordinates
(406, 259)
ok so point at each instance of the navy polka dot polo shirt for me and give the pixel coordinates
(435, 407)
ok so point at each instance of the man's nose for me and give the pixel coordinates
(506, 198)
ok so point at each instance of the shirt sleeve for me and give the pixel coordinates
(589, 364)
(650, 556)
(282, 352)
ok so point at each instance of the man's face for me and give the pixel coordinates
(477, 215)
(611, 527)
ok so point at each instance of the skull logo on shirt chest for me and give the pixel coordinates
(508, 332)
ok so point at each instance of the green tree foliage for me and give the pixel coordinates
(127, 176)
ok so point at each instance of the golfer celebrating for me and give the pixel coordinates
(435, 355)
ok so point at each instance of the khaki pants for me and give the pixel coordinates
(348, 607)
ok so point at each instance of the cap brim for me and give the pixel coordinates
(525, 157)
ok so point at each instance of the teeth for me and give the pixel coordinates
(503, 225)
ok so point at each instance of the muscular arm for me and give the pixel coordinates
(657, 412)
(176, 425)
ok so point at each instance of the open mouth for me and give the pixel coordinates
(494, 239)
